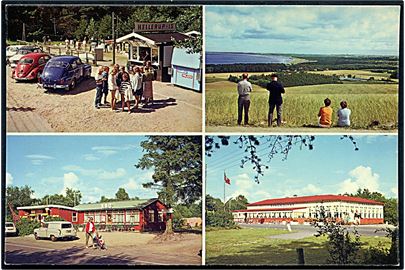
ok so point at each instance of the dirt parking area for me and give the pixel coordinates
(31, 109)
(123, 248)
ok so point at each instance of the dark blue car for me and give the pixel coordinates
(64, 72)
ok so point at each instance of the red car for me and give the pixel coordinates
(30, 66)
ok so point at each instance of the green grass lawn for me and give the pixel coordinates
(252, 246)
(368, 102)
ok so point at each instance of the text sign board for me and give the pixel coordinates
(154, 27)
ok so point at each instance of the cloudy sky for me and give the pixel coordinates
(303, 29)
(332, 167)
(96, 165)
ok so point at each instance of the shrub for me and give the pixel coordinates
(26, 226)
(220, 219)
(50, 218)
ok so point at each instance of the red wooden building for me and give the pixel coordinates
(138, 215)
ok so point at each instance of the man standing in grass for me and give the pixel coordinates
(275, 99)
(244, 89)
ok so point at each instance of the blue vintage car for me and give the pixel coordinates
(64, 72)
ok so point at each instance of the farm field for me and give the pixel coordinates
(363, 74)
(369, 103)
(254, 246)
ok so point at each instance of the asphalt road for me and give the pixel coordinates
(302, 231)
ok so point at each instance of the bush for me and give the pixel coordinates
(26, 227)
(380, 255)
(220, 219)
(50, 218)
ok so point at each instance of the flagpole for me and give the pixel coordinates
(224, 191)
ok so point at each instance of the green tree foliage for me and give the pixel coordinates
(217, 215)
(26, 227)
(121, 195)
(289, 79)
(18, 196)
(77, 22)
(390, 204)
(238, 203)
(315, 62)
(381, 255)
(71, 199)
(177, 164)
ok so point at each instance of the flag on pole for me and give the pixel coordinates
(226, 179)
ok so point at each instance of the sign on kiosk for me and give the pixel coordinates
(154, 27)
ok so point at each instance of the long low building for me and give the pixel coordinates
(338, 208)
(138, 215)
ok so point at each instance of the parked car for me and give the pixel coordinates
(30, 66)
(10, 229)
(64, 72)
(11, 51)
(55, 230)
(21, 52)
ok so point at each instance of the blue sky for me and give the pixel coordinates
(303, 29)
(96, 165)
(332, 167)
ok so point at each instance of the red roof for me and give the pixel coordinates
(270, 209)
(316, 198)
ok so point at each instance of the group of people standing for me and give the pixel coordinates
(133, 84)
(276, 90)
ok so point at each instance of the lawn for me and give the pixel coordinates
(252, 246)
(368, 103)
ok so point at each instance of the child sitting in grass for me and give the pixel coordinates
(325, 114)
(344, 115)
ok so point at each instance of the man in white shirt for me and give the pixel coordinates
(244, 89)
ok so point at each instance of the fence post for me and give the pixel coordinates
(300, 254)
(87, 57)
(60, 51)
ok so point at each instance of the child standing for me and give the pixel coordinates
(136, 81)
(125, 91)
(344, 115)
(325, 114)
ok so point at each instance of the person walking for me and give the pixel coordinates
(90, 229)
(276, 89)
(244, 89)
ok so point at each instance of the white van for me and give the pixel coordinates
(55, 230)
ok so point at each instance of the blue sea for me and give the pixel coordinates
(215, 58)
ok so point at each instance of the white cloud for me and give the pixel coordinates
(105, 175)
(394, 191)
(309, 189)
(361, 177)
(38, 159)
(90, 157)
(9, 179)
(96, 173)
(112, 150)
(131, 185)
(70, 180)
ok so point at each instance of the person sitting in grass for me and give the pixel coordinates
(325, 114)
(344, 115)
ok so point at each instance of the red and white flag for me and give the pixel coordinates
(226, 179)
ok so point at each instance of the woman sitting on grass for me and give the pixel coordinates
(344, 115)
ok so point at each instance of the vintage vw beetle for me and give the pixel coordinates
(30, 66)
